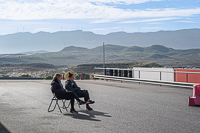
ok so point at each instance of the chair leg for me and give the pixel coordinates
(50, 106)
(54, 106)
(64, 105)
(58, 106)
(57, 103)
(78, 104)
(68, 104)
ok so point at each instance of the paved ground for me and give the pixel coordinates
(120, 107)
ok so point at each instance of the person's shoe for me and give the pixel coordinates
(88, 108)
(73, 111)
(90, 102)
(82, 102)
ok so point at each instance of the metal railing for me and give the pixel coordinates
(102, 74)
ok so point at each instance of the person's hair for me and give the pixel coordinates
(70, 75)
(57, 75)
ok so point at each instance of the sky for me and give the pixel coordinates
(98, 16)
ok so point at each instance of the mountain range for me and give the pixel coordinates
(25, 41)
(73, 56)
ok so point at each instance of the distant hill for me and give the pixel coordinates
(34, 52)
(19, 42)
(33, 69)
(31, 65)
(74, 49)
(158, 56)
(10, 55)
(73, 56)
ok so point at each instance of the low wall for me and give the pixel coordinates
(162, 74)
(187, 78)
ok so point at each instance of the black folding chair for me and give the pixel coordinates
(57, 103)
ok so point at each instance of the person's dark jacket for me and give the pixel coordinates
(71, 86)
(57, 87)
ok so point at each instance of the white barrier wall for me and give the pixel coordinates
(163, 74)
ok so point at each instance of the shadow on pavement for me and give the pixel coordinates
(3, 129)
(88, 115)
(196, 106)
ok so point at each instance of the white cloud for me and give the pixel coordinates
(155, 23)
(95, 10)
(150, 20)
(127, 2)
(187, 21)
(103, 20)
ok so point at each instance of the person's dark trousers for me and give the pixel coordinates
(68, 96)
(83, 93)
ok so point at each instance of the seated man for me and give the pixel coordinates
(71, 85)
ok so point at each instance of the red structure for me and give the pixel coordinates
(187, 78)
(81, 76)
(195, 100)
(63, 76)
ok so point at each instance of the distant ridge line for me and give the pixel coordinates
(15, 43)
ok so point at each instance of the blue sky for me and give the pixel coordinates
(98, 16)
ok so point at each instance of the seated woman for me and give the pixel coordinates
(61, 93)
(71, 85)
